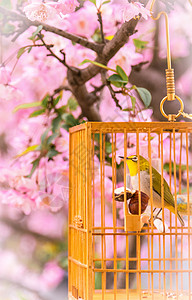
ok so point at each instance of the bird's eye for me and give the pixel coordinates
(135, 158)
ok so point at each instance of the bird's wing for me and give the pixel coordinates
(168, 197)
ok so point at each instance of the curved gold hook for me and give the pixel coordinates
(167, 31)
(172, 117)
(169, 72)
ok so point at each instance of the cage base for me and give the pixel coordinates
(135, 295)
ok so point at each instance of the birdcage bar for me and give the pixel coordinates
(151, 199)
(89, 252)
(126, 212)
(162, 204)
(142, 259)
(180, 191)
(142, 233)
(137, 270)
(138, 238)
(170, 214)
(127, 266)
(175, 192)
(114, 211)
(93, 203)
(189, 228)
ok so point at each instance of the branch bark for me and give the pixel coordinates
(110, 49)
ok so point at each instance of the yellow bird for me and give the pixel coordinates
(169, 203)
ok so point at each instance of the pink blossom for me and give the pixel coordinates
(62, 143)
(84, 21)
(8, 92)
(132, 10)
(38, 11)
(5, 75)
(52, 275)
(64, 7)
(125, 58)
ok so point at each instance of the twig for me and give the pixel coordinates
(63, 61)
(62, 88)
(113, 95)
(139, 66)
(97, 88)
(101, 26)
(49, 49)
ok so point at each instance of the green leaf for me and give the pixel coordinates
(133, 101)
(51, 138)
(145, 96)
(122, 73)
(96, 64)
(117, 81)
(45, 100)
(21, 51)
(61, 109)
(56, 100)
(105, 2)
(27, 105)
(29, 149)
(39, 28)
(35, 164)
(93, 1)
(56, 123)
(52, 152)
(44, 135)
(127, 109)
(36, 32)
(37, 113)
(72, 103)
(70, 121)
(108, 147)
(139, 44)
(29, 50)
(66, 127)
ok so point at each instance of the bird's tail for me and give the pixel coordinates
(180, 219)
(183, 207)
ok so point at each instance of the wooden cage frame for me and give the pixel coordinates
(82, 230)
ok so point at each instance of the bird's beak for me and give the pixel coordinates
(122, 157)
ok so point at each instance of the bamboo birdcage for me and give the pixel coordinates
(113, 258)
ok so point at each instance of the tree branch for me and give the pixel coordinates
(101, 26)
(74, 38)
(110, 49)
